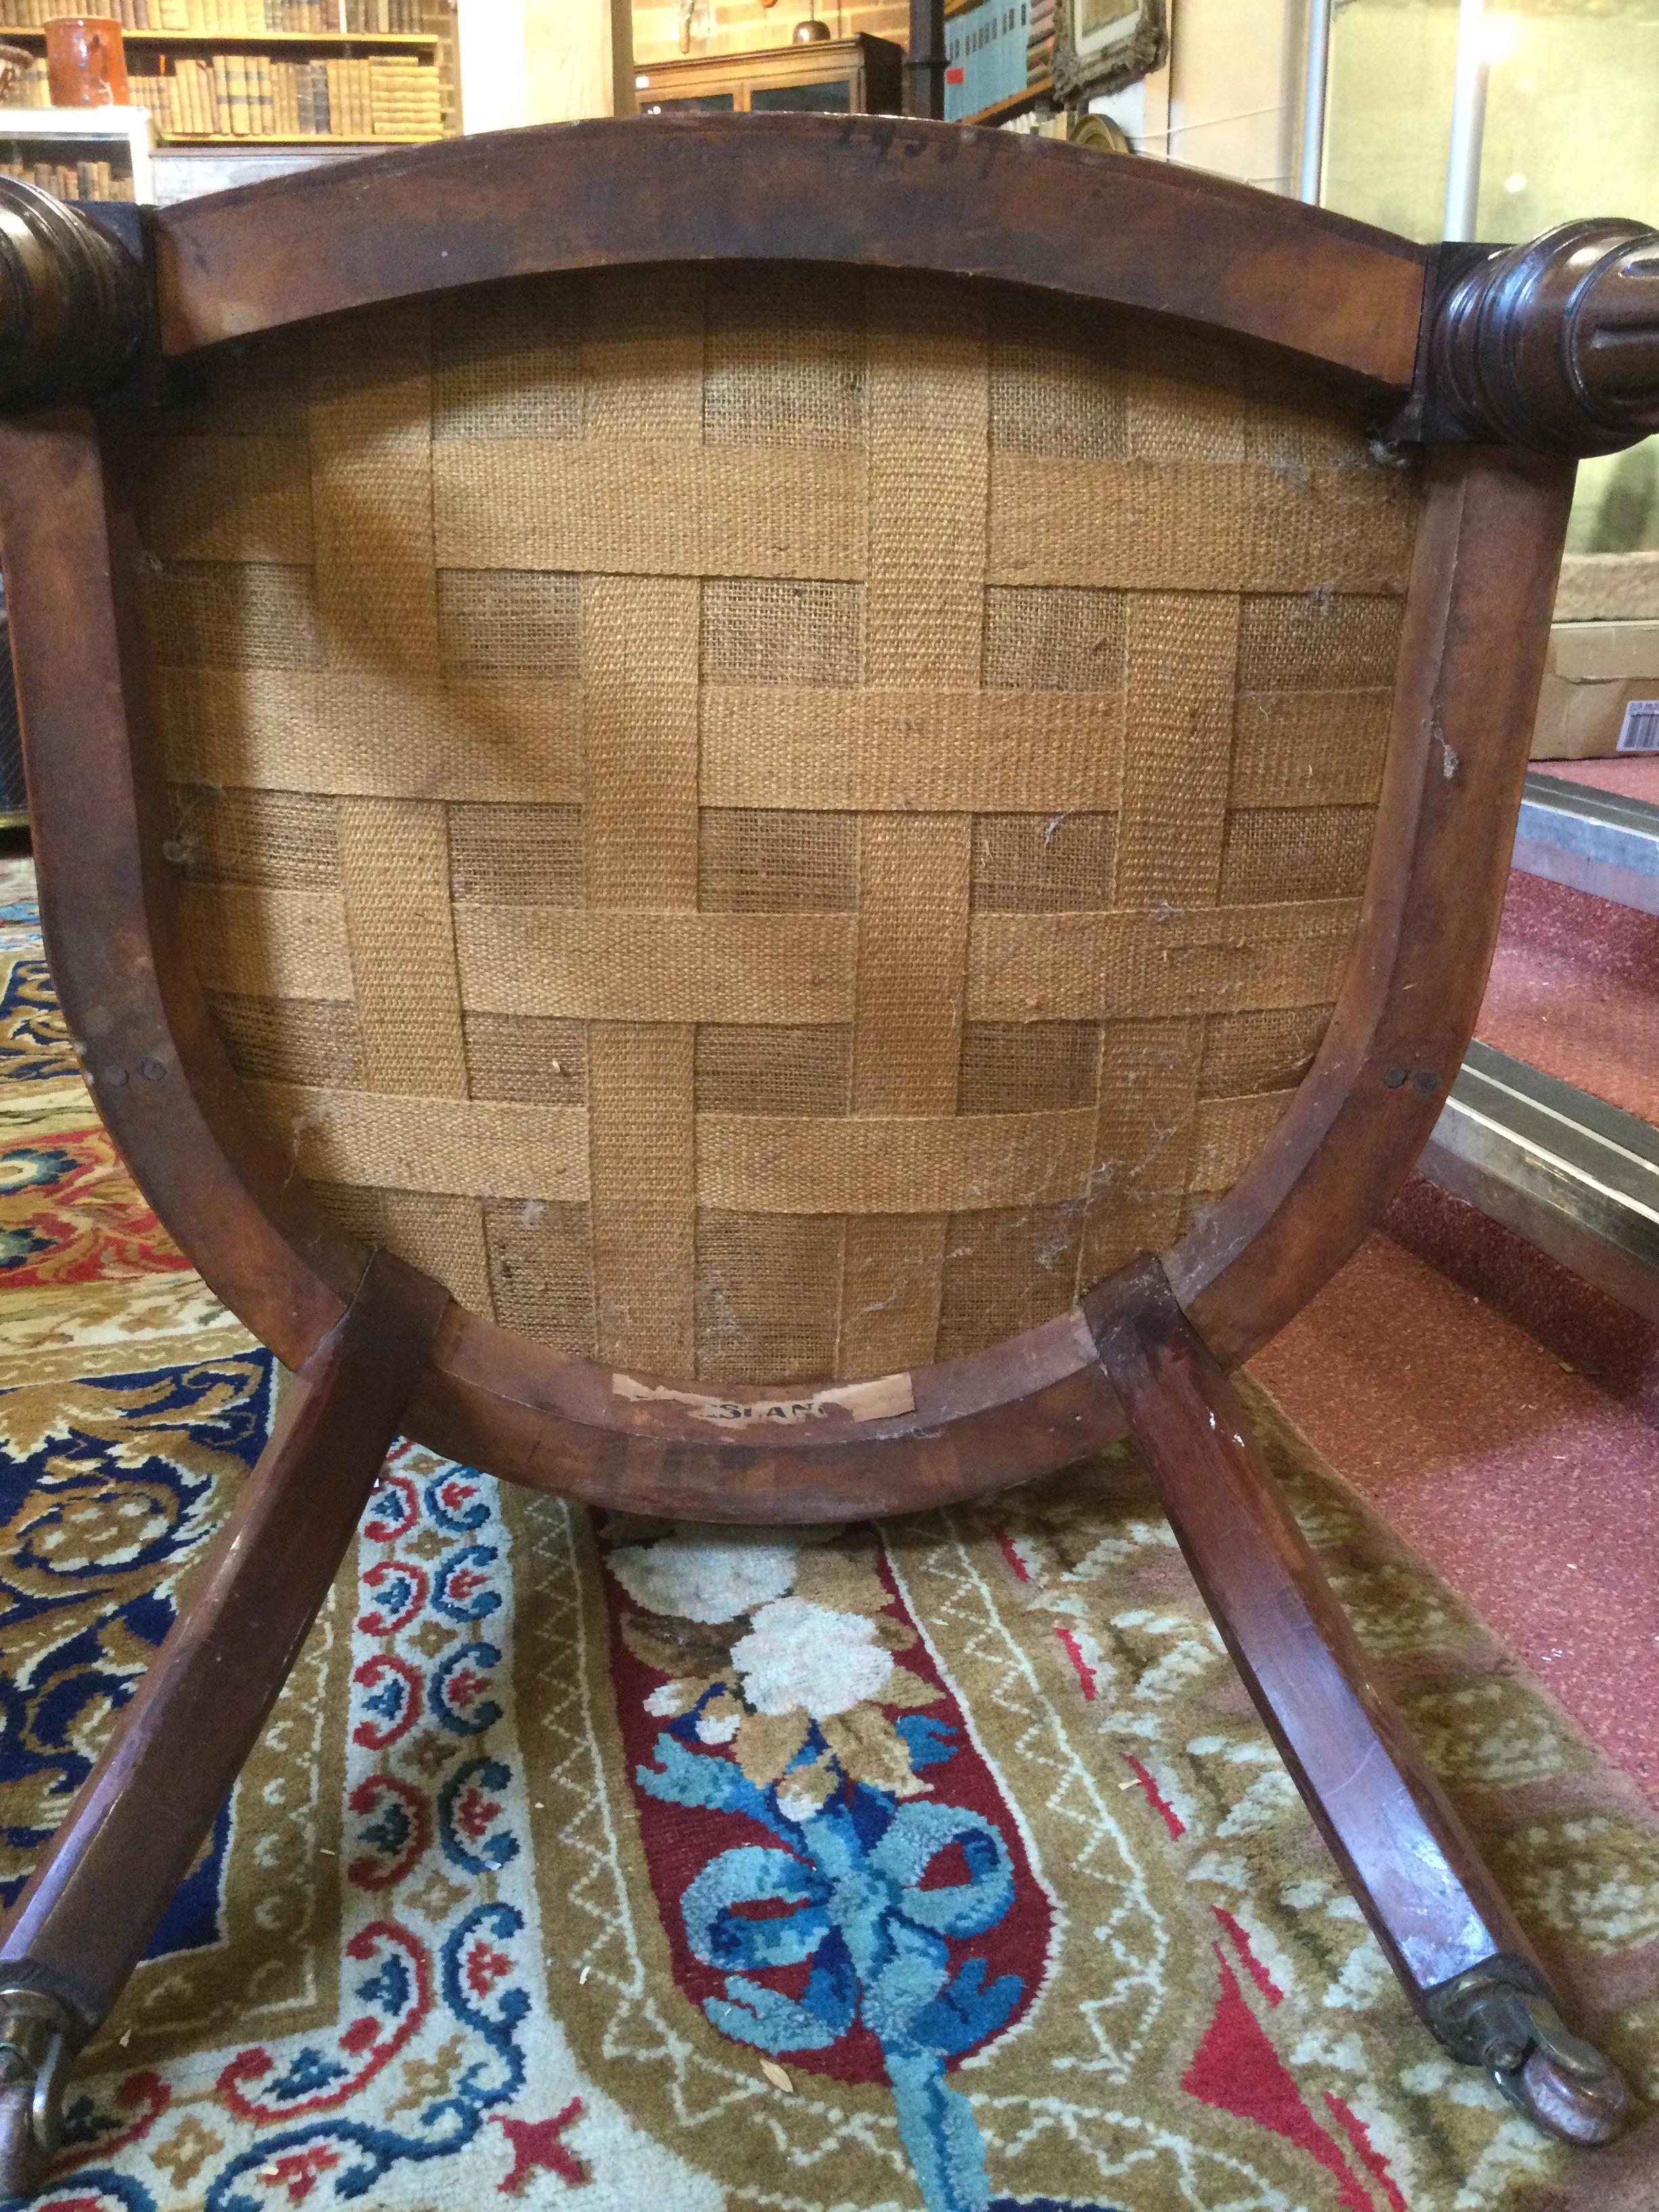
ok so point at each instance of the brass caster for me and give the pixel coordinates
(1502, 2016)
(22, 2162)
(1563, 2085)
(37, 2035)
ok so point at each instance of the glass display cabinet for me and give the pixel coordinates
(1551, 66)
(861, 76)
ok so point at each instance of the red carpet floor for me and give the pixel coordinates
(1636, 775)
(1524, 1466)
(1502, 1414)
(1575, 990)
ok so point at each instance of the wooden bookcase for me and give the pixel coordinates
(859, 76)
(113, 141)
(154, 57)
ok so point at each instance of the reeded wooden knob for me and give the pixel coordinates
(1555, 344)
(71, 301)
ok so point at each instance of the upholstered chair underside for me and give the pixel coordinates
(766, 824)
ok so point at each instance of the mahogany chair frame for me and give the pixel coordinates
(1506, 363)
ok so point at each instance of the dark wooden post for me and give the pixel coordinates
(923, 65)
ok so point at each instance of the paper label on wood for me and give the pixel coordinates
(878, 1400)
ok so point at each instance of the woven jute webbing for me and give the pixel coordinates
(766, 824)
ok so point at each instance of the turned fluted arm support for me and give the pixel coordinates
(1553, 345)
(73, 301)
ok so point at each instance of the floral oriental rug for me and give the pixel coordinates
(940, 1864)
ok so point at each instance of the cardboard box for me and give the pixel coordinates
(1594, 673)
(1608, 588)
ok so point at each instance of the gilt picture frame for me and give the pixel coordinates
(1100, 45)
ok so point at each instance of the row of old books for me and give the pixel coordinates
(31, 88)
(71, 180)
(985, 48)
(362, 18)
(1040, 41)
(251, 96)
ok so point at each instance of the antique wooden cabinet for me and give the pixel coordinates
(835, 76)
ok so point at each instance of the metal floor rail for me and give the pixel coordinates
(1599, 841)
(1571, 1175)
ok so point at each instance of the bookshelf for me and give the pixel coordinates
(425, 41)
(252, 141)
(324, 40)
(322, 73)
(310, 19)
(79, 153)
(1017, 103)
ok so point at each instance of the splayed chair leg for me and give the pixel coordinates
(1434, 1908)
(81, 1926)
